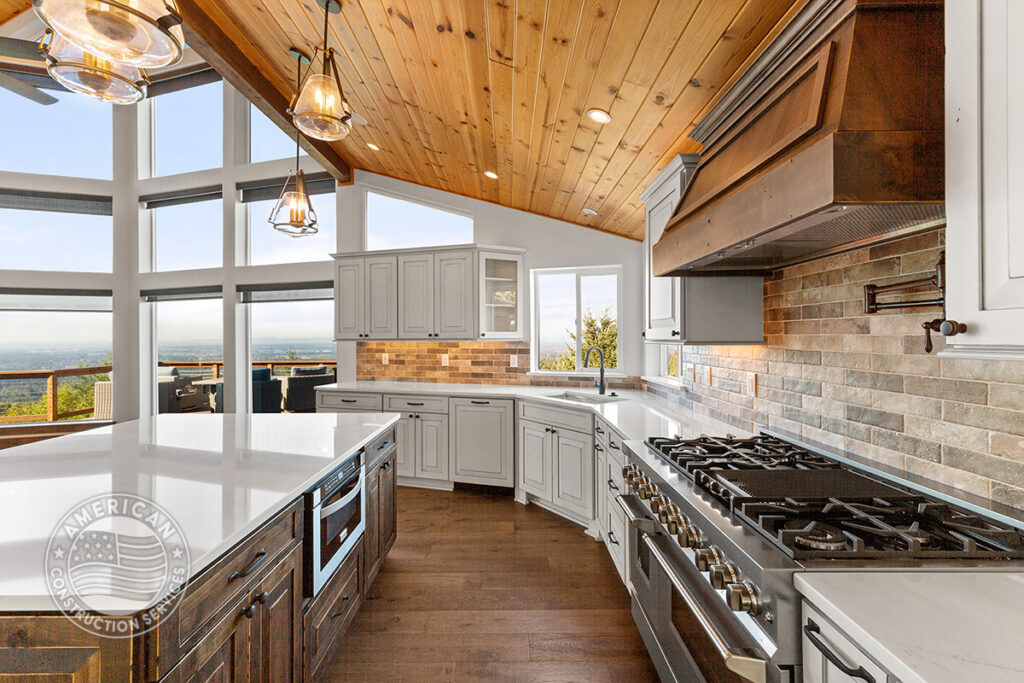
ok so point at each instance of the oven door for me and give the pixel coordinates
(338, 523)
(689, 631)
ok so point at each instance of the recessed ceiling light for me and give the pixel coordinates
(372, 146)
(491, 174)
(589, 212)
(599, 115)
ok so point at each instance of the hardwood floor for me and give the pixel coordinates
(479, 587)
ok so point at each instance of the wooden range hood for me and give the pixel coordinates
(832, 140)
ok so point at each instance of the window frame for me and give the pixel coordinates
(368, 188)
(579, 272)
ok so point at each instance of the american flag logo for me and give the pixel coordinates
(105, 563)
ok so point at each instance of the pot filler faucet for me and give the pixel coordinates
(586, 361)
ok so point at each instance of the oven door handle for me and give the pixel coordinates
(635, 515)
(751, 668)
(328, 510)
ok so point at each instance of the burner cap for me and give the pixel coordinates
(816, 535)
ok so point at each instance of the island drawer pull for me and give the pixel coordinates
(811, 630)
(343, 610)
(257, 560)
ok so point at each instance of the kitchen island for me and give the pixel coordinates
(234, 486)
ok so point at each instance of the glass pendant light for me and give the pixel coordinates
(84, 72)
(320, 110)
(293, 213)
(142, 33)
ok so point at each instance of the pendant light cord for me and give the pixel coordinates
(298, 89)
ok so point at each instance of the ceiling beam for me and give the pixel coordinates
(203, 34)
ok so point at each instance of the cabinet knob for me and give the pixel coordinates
(675, 333)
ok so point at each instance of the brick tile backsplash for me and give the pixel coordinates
(468, 363)
(864, 383)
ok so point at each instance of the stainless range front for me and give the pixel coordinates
(718, 528)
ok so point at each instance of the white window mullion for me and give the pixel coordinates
(579, 324)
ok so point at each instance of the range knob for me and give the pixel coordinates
(629, 471)
(666, 512)
(689, 536)
(705, 557)
(658, 501)
(742, 596)
(723, 574)
(648, 489)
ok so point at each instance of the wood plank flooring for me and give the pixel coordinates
(479, 587)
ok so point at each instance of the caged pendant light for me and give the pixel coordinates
(140, 33)
(293, 213)
(320, 109)
(89, 74)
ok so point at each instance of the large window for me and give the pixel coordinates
(574, 310)
(189, 235)
(266, 140)
(393, 223)
(50, 240)
(61, 343)
(71, 138)
(190, 351)
(668, 362)
(267, 245)
(188, 129)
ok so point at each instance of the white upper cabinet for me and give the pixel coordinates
(365, 298)
(501, 295)
(695, 309)
(416, 296)
(661, 300)
(454, 300)
(452, 293)
(985, 174)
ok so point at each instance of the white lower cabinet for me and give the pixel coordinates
(601, 500)
(430, 454)
(609, 484)
(556, 466)
(482, 441)
(830, 656)
(406, 438)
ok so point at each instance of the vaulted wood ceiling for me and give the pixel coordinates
(452, 88)
(12, 8)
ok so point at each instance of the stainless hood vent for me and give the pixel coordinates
(832, 140)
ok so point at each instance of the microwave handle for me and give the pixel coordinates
(751, 668)
(329, 510)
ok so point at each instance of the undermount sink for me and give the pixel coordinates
(581, 397)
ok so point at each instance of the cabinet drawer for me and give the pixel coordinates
(233, 573)
(601, 431)
(557, 417)
(420, 404)
(616, 454)
(329, 615)
(379, 448)
(817, 667)
(615, 539)
(349, 401)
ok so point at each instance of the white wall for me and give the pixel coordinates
(550, 243)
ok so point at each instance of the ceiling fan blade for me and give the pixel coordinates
(25, 90)
(15, 48)
(359, 120)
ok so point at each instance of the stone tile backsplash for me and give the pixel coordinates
(864, 382)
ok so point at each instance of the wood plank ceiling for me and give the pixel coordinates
(452, 88)
(12, 8)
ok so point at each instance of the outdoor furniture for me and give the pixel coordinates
(266, 393)
(299, 389)
(177, 394)
(103, 400)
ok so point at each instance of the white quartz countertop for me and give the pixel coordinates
(638, 416)
(939, 627)
(219, 476)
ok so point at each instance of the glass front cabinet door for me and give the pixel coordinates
(501, 295)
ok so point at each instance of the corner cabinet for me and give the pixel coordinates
(461, 292)
(984, 174)
(688, 309)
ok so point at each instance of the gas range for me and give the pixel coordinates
(727, 522)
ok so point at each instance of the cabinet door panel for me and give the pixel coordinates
(405, 433)
(501, 294)
(454, 295)
(381, 297)
(416, 296)
(601, 489)
(535, 459)
(388, 507)
(223, 655)
(349, 296)
(662, 292)
(277, 627)
(482, 441)
(574, 472)
(371, 535)
(432, 439)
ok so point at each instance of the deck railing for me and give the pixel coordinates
(52, 377)
(52, 413)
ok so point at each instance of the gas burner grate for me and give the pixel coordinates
(694, 456)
